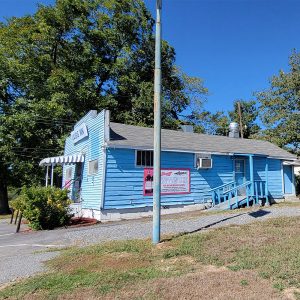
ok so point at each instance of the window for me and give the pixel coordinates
(69, 173)
(93, 167)
(144, 158)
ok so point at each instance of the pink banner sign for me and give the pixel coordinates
(173, 181)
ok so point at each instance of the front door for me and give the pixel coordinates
(288, 179)
(240, 175)
(77, 182)
(239, 169)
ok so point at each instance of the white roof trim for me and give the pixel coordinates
(112, 146)
(59, 160)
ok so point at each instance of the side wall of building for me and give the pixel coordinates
(274, 175)
(124, 181)
(91, 147)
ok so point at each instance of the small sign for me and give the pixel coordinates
(79, 133)
(173, 181)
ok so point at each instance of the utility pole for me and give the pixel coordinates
(157, 127)
(240, 117)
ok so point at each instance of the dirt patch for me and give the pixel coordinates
(87, 294)
(210, 283)
(291, 293)
(97, 263)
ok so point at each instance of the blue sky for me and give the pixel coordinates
(234, 45)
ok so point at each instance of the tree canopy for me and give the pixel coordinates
(280, 107)
(72, 57)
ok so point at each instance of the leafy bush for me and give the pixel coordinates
(44, 207)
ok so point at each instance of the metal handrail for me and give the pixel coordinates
(221, 186)
(238, 186)
(70, 182)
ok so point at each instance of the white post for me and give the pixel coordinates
(52, 168)
(47, 175)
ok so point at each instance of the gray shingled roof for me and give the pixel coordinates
(128, 136)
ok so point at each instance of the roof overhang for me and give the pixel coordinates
(60, 160)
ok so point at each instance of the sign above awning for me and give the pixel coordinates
(59, 160)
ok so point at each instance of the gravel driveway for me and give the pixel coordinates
(18, 252)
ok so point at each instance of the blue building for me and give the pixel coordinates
(107, 168)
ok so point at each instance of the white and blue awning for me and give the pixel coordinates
(60, 160)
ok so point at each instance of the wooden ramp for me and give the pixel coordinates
(233, 203)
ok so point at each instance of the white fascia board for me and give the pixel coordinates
(165, 149)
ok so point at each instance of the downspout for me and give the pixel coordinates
(267, 182)
(103, 175)
(104, 154)
(251, 174)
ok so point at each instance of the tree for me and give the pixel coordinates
(218, 123)
(249, 112)
(72, 57)
(280, 107)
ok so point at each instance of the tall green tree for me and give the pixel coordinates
(218, 123)
(72, 57)
(280, 107)
(249, 116)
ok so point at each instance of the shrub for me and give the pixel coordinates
(44, 207)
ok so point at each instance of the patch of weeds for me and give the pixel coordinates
(279, 286)
(234, 268)
(244, 282)
(4, 217)
(172, 253)
(264, 275)
(105, 288)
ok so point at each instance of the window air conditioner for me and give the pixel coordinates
(204, 163)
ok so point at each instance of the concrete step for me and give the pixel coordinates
(291, 198)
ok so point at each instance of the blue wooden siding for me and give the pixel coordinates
(124, 181)
(91, 187)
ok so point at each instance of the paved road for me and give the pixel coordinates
(18, 252)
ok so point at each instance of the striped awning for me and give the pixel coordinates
(59, 160)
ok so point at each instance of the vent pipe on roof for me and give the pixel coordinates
(187, 128)
(234, 130)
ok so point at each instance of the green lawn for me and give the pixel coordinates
(261, 258)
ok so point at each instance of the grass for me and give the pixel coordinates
(4, 217)
(260, 258)
(197, 213)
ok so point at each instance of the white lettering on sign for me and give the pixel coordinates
(79, 133)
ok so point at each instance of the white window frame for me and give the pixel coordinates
(89, 171)
(143, 166)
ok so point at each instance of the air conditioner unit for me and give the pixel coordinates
(204, 163)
